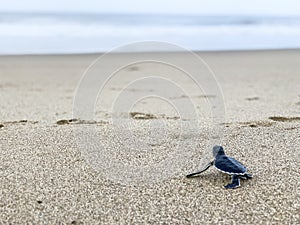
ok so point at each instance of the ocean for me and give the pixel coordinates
(58, 33)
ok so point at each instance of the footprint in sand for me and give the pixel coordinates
(252, 98)
(133, 68)
(284, 119)
(22, 122)
(142, 116)
(252, 124)
(148, 116)
(193, 96)
(77, 121)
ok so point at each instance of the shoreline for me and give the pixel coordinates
(153, 52)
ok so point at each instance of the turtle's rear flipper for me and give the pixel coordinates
(246, 176)
(200, 171)
(234, 184)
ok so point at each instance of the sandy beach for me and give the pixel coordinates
(45, 177)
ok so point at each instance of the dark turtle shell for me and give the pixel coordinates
(229, 165)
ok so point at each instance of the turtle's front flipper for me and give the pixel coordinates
(235, 182)
(246, 176)
(200, 171)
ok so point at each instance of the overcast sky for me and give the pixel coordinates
(283, 7)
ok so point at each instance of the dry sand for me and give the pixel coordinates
(44, 178)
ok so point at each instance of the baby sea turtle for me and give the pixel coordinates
(226, 165)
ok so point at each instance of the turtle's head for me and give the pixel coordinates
(218, 150)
